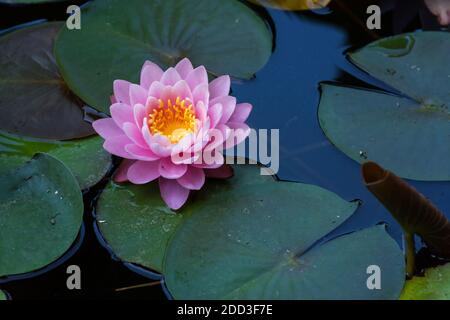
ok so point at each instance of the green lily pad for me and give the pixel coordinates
(86, 158)
(28, 1)
(3, 296)
(137, 224)
(34, 100)
(259, 244)
(117, 37)
(407, 135)
(41, 211)
(435, 285)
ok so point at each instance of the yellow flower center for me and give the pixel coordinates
(173, 120)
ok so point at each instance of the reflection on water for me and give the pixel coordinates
(308, 50)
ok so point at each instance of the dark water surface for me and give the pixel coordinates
(308, 50)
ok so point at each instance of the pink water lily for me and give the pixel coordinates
(163, 126)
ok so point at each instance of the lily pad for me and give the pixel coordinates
(28, 1)
(435, 285)
(260, 244)
(3, 296)
(117, 37)
(407, 135)
(86, 158)
(137, 224)
(34, 100)
(293, 5)
(41, 211)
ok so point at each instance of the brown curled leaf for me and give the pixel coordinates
(414, 212)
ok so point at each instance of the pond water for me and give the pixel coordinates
(309, 49)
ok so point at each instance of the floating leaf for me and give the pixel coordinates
(41, 211)
(86, 158)
(34, 100)
(259, 243)
(3, 296)
(407, 135)
(414, 212)
(117, 37)
(137, 224)
(435, 285)
(293, 5)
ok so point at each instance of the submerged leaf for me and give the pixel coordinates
(434, 285)
(86, 158)
(41, 211)
(407, 135)
(117, 37)
(34, 100)
(414, 212)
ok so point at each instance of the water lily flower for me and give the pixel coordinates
(164, 127)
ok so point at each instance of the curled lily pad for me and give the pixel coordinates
(41, 211)
(407, 135)
(86, 158)
(34, 100)
(434, 285)
(414, 212)
(293, 5)
(137, 224)
(117, 37)
(261, 244)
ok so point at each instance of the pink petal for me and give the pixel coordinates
(220, 134)
(219, 87)
(121, 113)
(240, 132)
(184, 67)
(201, 111)
(139, 153)
(140, 113)
(181, 89)
(213, 163)
(142, 172)
(197, 77)
(228, 103)
(241, 113)
(122, 91)
(133, 132)
(107, 128)
(137, 95)
(193, 179)
(116, 146)
(160, 146)
(215, 114)
(113, 99)
(170, 77)
(224, 172)
(150, 73)
(201, 93)
(156, 89)
(170, 170)
(121, 174)
(173, 194)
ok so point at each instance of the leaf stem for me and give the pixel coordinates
(410, 254)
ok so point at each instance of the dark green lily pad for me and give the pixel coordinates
(28, 1)
(117, 37)
(86, 158)
(435, 285)
(407, 135)
(257, 243)
(41, 211)
(137, 224)
(34, 100)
